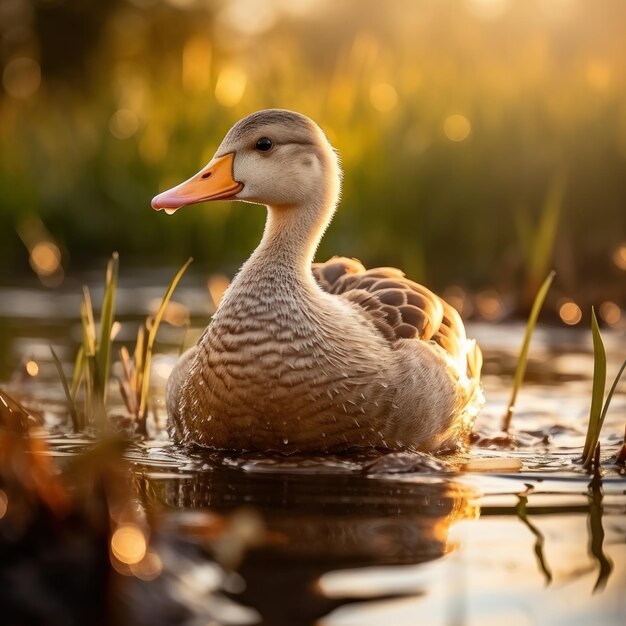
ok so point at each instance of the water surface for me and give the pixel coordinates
(358, 539)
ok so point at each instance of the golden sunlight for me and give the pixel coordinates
(196, 72)
(248, 17)
(230, 87)
(488, 9)
(383, 97)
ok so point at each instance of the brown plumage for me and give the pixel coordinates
(399, 308)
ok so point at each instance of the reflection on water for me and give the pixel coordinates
(322, 522)
(596, 533)
(362, 540)
(540, 540)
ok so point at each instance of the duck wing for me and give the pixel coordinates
(399, 308)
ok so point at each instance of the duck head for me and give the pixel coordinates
(274, 157)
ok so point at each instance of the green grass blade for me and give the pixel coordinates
(138, 358)
(522, 361)
(597, 392)
(145, 384)
(609, 396)
(88, 324)
(103, 355)
(621, 457)
(66, 389)
(79, 368)
(89, 350)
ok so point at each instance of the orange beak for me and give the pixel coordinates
(213, 182)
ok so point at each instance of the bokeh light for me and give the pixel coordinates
(489, 305)
(128, 544)
(619, 256)
(217, 285)
(45, 258)
(175, 313)
(196, 74)
(249, 17)
(230, 86)
(124, 123)
(148, 568)
(458, 298)
(383, 97)
(570, 312)
(610, 313)
(32, 368)
(457, 127)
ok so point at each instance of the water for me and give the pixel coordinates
(504, 535)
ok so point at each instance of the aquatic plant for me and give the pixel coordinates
(599, 406)
(93, 361)
(92, 366)
(76, 420)
(135, 380)
(522, 360)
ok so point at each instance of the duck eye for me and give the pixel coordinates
(264, 144)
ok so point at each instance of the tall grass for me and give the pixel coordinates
(76, 422)
(522, 360)
(103, 352)
(93, 361)
(135, 380)
(599, 405)
(92, 366)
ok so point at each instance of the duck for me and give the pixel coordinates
(314, 357)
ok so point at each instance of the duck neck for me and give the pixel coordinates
(290, 239)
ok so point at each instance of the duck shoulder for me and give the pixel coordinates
(399, 307)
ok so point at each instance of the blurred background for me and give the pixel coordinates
(484, 141)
